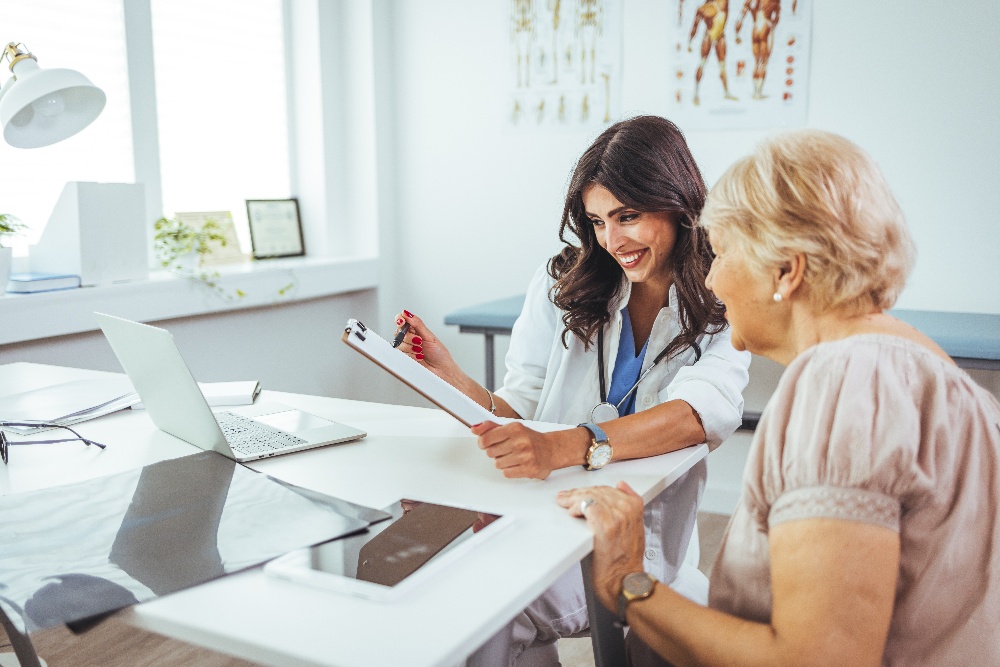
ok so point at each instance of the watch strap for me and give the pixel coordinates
(597, 431)
(599, 438)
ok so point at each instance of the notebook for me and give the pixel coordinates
(176, 405)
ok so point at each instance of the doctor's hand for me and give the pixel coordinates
(615, 517)
(422, 345)
(518, 451)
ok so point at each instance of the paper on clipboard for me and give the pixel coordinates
(421, 380)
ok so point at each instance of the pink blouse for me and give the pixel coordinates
(878, 429)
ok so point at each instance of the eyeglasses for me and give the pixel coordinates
(6, 444)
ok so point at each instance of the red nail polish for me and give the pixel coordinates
(408, 313)
(417, 340)
(417, 348)
(419, 357)
(399, 321)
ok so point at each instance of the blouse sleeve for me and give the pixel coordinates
(530, 347)
(841, 439)
(713, 387)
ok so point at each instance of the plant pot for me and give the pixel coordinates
(6, 257)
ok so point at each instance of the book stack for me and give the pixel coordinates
(29, 283)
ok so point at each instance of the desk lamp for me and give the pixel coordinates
(39, 106)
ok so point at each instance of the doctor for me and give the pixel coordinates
(620, 335)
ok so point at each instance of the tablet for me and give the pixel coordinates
(391, 557)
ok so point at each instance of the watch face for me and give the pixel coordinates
(600, 455)
(638, 584)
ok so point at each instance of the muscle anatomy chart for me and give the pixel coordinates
(565, 63)
(739, 63)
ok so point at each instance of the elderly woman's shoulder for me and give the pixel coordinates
(891, 382)
(872, 351)
(871, 364)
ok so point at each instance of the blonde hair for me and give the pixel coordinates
(818, 194)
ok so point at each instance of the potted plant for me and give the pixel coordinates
(9, 227)
(181, 248)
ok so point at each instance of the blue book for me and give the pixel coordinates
(27, 283)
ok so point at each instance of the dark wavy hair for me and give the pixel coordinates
(646, 164)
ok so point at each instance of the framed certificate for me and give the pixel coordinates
(275, 228)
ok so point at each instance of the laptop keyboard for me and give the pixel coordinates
(246, 436)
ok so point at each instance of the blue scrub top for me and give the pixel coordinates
(628, 365)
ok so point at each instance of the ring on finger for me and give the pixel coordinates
(585, 503)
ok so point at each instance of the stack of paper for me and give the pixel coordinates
(66, 403)
(73, 402)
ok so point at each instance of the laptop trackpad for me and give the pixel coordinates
(293, 421)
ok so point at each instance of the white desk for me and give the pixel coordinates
(409, 452)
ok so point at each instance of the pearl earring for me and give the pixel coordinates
(777, 297)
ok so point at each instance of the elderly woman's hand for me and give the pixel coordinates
(615, 516)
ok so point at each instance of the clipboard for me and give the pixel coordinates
(418, 378)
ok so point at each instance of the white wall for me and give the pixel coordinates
(477, 209)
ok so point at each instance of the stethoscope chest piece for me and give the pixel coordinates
(603, 412)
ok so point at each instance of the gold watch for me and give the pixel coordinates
(600, 452)
(635, 586)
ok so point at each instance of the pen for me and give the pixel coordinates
(400, 335)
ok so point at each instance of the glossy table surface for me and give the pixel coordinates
(409, 452)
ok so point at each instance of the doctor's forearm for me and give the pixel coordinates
(664, 428)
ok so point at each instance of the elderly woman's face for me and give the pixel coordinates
(744, 291)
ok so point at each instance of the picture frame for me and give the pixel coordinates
(275, 228)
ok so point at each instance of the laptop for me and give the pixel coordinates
(176, 405)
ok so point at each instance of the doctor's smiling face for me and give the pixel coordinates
(642, 243)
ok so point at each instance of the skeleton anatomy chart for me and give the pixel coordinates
(565, 63)
(739, 63)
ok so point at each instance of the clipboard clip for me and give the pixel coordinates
(359, 332)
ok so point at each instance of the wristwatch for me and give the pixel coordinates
(599, 454)
(635, 586)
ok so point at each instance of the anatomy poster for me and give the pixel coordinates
(564, 63)
(739, 63)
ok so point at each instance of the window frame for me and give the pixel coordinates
(321, 38)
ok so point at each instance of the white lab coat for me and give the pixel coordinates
(548, 382)
(551, 383)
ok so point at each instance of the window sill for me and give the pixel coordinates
(166, 296)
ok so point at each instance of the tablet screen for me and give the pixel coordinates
(388, 552)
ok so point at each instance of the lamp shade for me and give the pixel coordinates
(40, 106)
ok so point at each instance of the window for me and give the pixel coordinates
(88, 37)
(221, 105)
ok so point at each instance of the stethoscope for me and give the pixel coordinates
(605, 411)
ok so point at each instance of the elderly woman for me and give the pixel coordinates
(867, 531)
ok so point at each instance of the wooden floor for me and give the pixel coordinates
(115, 644)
